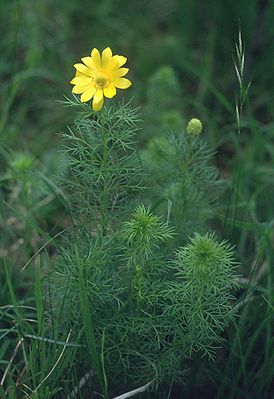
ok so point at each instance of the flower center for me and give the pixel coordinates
(101, 81)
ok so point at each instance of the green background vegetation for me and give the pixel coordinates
(180, 59)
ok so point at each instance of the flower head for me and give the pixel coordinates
(99, 76)
(194, 127)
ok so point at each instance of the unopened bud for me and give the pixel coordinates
(194, 127)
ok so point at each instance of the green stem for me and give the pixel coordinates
(186, 165)
(104, 204)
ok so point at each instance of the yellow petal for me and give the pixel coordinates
(106, 57)
(77, 73)
(88, 94)
(122, 83)
(79, 89)
(119, 60)
(98, 96)
(80, 80)
(98, 106)
(88, 62)
(96, 58)
(118, 73)
(110, 91)
(82, 68)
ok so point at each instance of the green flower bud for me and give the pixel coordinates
(194, 127)
(21, 164)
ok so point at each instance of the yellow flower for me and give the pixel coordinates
(99, 76)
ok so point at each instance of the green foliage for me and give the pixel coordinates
(136, 309)
(148, 314)
(103, 164)
(143, 232)
(201, 294)
(183, 180)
